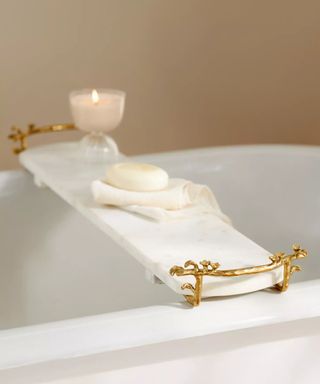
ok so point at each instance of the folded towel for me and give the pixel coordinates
(181, 199)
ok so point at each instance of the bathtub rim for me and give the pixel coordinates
(155, 324)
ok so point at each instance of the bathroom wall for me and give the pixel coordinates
(197, 72)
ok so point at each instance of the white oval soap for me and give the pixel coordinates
(137, 177)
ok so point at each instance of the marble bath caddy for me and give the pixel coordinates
(198, 258)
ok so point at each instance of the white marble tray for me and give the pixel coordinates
(157, 246)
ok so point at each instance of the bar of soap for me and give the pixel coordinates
(137, 177)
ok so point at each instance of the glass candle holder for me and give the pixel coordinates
(98, 112)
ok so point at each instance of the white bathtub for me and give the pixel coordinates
(67, 315)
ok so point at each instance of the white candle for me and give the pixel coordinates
(97, 110)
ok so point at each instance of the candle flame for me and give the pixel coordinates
(95, 97)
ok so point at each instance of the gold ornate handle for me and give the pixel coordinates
(21, 137)
(208, 268)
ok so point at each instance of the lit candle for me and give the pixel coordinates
(97, 110)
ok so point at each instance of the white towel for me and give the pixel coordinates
(181, 199)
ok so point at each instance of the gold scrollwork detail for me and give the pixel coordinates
(21, 137)
(208, 268)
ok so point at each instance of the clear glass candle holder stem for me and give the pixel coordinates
(98, 146)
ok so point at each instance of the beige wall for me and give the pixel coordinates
(196, 72)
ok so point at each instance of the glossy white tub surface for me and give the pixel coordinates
(66, 312)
